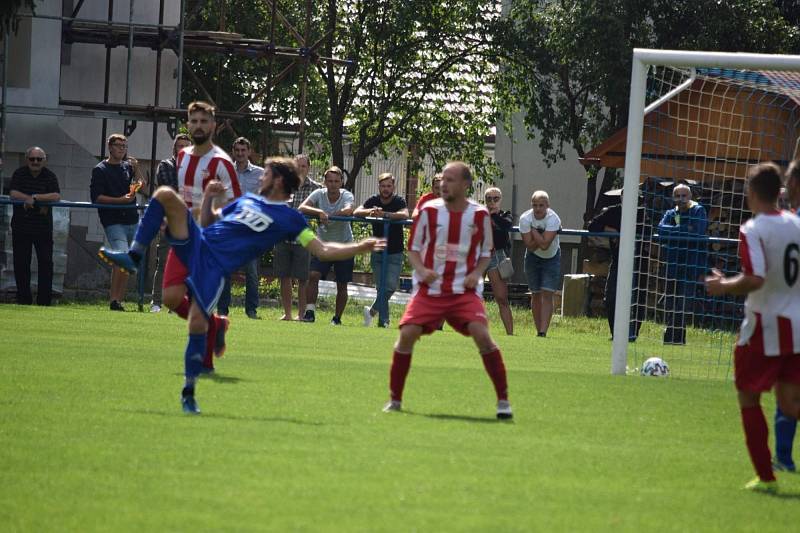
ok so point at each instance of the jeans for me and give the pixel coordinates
(394, 264)
(162, 248)
(250, 294)
(22, 245)
(120, 236)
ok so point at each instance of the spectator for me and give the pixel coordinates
(539, 227)
(291, 260)
(249, 180)
(386, 204)
(610, 219)
(115, 181)
(685, 258)
(502, 222)
(333, 200)
(435, 192)
(166, 176)
(32, 226)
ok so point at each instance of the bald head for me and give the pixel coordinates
(682, 196)
(461, 168)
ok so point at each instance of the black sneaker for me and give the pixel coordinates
(309, 316)
(336, 321)
(541, 334)
(116, 306)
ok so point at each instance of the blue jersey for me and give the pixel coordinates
(250, 226)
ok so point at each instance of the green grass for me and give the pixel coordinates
(292, 437)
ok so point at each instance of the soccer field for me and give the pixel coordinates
(292, 437)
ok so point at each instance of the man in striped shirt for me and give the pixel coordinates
(767, 352)
(197, 165)
(449, 248)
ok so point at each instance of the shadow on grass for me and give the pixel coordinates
(460, 418)
(781, 495)
(216, 378)
(222, 416)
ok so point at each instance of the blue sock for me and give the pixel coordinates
(784, 435)
(193, 358)
(149, 226)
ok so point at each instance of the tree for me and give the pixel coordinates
(417, 75)
(567, 63)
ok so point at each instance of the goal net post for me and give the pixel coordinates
(700, 119)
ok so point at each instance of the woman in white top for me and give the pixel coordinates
(539, 229)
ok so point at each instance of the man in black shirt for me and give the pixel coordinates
(610, 220)
(386, 204)
(32, 225)
(115, 181)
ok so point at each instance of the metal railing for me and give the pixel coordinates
(387, 223)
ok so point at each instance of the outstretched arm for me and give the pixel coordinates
(336, 251)
(738, 285)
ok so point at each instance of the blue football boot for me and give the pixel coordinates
(119, 259)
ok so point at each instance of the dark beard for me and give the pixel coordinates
(199, 137)
(266, 190)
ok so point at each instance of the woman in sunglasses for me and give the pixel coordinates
(502, 222)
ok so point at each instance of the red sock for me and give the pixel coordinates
(401, 363)
(208, 356)
(493, 363)
(183, 309)
(756, 435)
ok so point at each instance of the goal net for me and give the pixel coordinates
(704, 120)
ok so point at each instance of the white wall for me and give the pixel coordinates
(525, 171)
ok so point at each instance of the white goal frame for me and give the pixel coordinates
(642, 59)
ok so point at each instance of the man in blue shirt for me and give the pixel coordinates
(244, 229)
(685, 255)
(250, 180)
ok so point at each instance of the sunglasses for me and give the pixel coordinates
(36, 159)
(492, 198)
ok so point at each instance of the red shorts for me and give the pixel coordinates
(175, 272)
(431, 312)
(755, 372)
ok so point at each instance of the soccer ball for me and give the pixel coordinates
(655, 366)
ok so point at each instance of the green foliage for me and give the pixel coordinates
(292, 437)
(9, 10)
(418, 76)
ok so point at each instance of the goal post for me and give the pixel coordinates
(692, 68)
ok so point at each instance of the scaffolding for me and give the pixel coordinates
(178, 39)
(163, 37)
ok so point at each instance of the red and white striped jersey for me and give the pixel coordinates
(450, 243)
(769, 247)
(195, 172)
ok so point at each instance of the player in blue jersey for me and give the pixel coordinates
(231, 236)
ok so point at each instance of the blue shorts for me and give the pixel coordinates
(120, 236)
(206, 278)
(543, 274)
(343, 269)
(497, 256)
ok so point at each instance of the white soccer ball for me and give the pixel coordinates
(655, 366)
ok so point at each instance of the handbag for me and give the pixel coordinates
(505, 268)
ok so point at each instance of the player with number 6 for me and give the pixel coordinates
(767, 351)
